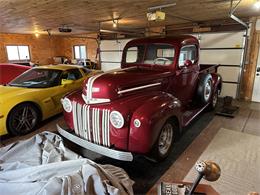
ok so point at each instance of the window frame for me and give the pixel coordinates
(74, 53)
(18, 60)
(196, 58)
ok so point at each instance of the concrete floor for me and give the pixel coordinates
(189, 148)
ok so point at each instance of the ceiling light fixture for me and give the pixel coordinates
(115, 22)
(257, 4)
(37, 34)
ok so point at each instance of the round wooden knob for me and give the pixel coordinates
(209, 169)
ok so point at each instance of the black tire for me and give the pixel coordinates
(23, 119)
(205, 89)
(163, 146)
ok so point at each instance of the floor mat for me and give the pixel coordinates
(226, 108)
(238, 155)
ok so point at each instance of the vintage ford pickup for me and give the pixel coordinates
(142, 107)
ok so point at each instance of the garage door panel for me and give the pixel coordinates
(111, 56)
(220, 56)
(229, 89)
(106, 66)
(111, 53)
(230, 74)
(221, 40)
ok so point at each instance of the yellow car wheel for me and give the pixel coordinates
(23, 119)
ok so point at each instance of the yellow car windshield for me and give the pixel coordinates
(38, 78)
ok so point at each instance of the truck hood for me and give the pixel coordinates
(115, 84)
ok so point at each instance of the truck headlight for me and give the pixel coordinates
(116, 119)
(66, 103)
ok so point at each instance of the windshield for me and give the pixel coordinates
(155, 54)
(38, 78)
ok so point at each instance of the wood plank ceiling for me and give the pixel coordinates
(86, 16)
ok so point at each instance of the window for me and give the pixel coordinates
(80, 52)
(187, 53)
(18, 52)
(73, 74)
(159, 54)
(86, 71)
(134, 54)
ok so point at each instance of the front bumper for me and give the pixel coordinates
(119, 155)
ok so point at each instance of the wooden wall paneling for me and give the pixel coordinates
(44, 47)
(249, 75)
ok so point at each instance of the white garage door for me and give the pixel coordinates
(111, 53)
(225, 49)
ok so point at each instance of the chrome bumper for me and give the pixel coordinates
(119, 155)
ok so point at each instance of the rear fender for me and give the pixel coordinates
(152, 115)
(217, 82)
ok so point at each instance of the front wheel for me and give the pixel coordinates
(165, 141)
(23, 119)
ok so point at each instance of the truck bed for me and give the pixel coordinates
(209, 68)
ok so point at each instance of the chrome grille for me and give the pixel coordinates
(91, 124)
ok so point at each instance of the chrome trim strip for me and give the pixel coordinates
(84, 129)
(115, 154)
(94, 100)
(103, 128)
(79, 113)
(137, 88)
(98, 127)
(108, 129)
(91, 82)
(88, 124)
(75, 119)
(93, 126)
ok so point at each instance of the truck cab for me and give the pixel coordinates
(142, 107)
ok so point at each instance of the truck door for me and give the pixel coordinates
(185, 81)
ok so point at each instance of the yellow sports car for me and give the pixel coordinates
(35, 95)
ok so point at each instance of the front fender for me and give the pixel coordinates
(152, 115)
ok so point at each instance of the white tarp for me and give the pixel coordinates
(43, 165)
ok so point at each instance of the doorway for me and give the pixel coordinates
(256, 89)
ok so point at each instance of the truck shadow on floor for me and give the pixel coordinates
(144, 172)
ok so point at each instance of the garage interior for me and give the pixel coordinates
(229, 36)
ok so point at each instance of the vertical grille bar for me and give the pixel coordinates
(108, 128)
(88, 124)
(80, 125)
(104, 141)
(84, 126)
(91, 124)
(75, 118)
(98, 126)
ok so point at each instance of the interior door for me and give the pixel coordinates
(256, 89)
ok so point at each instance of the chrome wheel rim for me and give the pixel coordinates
(24, 119)
(165, 139)
(207, 90)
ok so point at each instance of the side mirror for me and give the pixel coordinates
(66, 81)
(187, 63)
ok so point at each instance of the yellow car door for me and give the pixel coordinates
(70, 80)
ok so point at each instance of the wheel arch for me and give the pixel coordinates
(153, 114)
(37, 106)
(217, 81)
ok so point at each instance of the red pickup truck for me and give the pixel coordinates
(142, 107)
